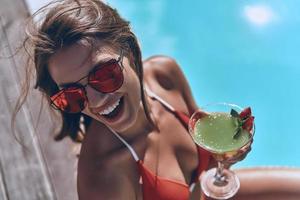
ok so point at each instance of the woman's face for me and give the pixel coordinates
(118, 109)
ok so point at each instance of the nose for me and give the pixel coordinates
(95, 98)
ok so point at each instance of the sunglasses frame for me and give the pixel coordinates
(79, 86)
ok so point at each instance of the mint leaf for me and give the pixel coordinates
(237, 133)
(234, 113)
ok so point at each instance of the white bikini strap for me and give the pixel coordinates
(192, 186)
(153, 95)
(166, 104)
(133, 153)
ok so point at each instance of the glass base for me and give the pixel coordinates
(215, 189)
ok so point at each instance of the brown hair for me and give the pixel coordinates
(65, 23)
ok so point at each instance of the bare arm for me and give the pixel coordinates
(99, 173)
(182, 85)
(100, 185)
(174, 78)
(100, 181)
(269, 183)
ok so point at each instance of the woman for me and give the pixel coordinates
(133, 114)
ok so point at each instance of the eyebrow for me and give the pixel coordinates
(98, 63)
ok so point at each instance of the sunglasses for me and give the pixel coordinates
(105, 78)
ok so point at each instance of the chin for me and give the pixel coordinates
(127, 118)
(125, 124)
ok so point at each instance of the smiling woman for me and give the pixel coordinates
(102, 78)
(131, 116)
(89, 65)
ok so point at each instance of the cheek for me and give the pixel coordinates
(133, 89)
(132, 84)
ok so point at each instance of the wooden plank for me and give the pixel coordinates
(45, 169)
(23, 171)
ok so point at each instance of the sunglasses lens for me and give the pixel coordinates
(71, 100)
(108, 78)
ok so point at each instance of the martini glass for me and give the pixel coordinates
(224, 130)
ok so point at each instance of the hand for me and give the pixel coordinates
(241, 155)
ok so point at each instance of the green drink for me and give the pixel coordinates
(226, 131)
(215, 132)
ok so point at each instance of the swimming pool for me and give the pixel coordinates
(243, 52)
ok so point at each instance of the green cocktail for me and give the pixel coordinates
(216, 133)
(226, 131)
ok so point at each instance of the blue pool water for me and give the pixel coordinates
(243, 52)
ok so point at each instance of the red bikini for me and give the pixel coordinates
(158, 188)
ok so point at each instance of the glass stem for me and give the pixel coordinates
(220, 178)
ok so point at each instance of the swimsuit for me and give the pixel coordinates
(155, 187)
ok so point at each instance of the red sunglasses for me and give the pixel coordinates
(105, 78)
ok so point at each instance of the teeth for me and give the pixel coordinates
(110, 108)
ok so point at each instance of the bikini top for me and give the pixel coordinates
(157, 187)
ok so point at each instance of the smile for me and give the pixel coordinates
(113, 112)
(110, 108)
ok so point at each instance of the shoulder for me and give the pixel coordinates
(96, 174)
(103, 182)
(161, 60)
(168, 74)
(164, 67)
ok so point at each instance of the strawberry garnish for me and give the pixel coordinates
(248, 123)
(245, 120)
(246, 113)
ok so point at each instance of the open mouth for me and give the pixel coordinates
(113, 113)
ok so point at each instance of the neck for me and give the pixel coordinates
(142, 125)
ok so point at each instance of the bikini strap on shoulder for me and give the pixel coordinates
(155, 96)
(132, 151)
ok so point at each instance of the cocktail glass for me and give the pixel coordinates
(223, 130)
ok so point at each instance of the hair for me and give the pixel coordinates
(64, 23)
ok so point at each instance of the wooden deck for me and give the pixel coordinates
(45, 169)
